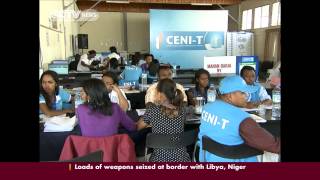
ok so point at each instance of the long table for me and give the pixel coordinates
(51, 143)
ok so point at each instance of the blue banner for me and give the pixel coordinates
(185, 37)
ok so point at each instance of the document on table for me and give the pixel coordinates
(256, 109)
(248, 110)
(60, 124)
(258, 119)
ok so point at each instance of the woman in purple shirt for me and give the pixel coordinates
(98, 116)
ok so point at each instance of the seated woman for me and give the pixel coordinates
(166, 117)
(258, 97)
(51, 96)
(116, 94)
(98, 116)
(202, 77)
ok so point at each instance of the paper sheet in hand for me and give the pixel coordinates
(258, 119)
(141, 112)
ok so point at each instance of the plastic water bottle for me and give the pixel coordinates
(199, 105)
(144, 77)
(276, 104)
(59, 102)
(174, 70)
(211, 94)
(77, 100)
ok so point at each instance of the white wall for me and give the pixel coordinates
(234, 12)
(71, 29)
(109, 30)
(138, 32)
(106, 31)
(55, 44)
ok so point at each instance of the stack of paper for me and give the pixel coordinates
(60, 124)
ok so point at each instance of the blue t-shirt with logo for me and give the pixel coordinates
(221, 122)
(62, 97)
(131, 73)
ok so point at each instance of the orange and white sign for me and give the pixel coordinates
(220, 64)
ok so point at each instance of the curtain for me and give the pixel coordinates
(273, 46)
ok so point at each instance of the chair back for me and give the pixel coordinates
(116, 148)
(170, 141)
(96, 156)
(226, 151)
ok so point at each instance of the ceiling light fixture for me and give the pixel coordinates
(118, 1)
(201, 4)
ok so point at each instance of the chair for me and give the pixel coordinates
(264, 66)
(116, 148)
(169, 141)
(96, 156)
(226, 151)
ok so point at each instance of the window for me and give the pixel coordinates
(275, 19)
(246, 19)
(265, 16)
(257, 17)
(261, 17)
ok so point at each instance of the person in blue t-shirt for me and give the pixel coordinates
(133, 72)
(225, 122)
(260, 96)
(51, 97)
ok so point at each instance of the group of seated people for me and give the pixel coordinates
(112, 61)
(88, 61)
(129, 73)
(104, 110)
